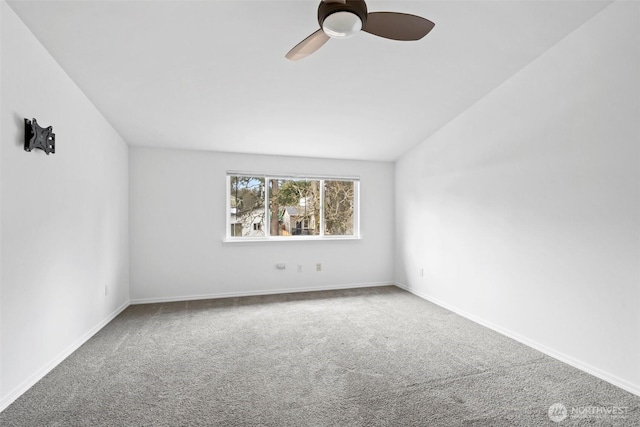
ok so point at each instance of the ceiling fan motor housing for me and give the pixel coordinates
(357, 7)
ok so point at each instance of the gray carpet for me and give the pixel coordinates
(362, 357)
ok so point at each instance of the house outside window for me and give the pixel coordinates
(289, 207)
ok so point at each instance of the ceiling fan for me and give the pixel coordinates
(342, 19)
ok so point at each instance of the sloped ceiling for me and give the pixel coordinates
(211, 75)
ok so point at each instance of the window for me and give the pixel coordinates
(289, 207)
(246, 206)
(339, 207)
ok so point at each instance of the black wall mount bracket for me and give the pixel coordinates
(39, 137)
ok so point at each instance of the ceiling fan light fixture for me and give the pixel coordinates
(345, 18)
(342, 25)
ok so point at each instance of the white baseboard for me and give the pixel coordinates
(257, 293)
(44, 370)
(596, 372)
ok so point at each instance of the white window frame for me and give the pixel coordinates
(267, 225)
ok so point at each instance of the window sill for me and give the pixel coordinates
(233, 241)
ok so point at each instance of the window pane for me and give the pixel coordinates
(294, 207)
(339, 208)
(247, 214)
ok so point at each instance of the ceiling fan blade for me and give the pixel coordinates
(397, 26)
(307, 46)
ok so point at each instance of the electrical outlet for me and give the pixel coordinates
(106, 290)
(299, 268)
(318, 267)
(422, 272)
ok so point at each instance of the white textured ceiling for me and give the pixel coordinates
(211, 75)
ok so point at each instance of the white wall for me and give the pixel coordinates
(2, 6)
(64, 217)
(525, 210)
(178, 224)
